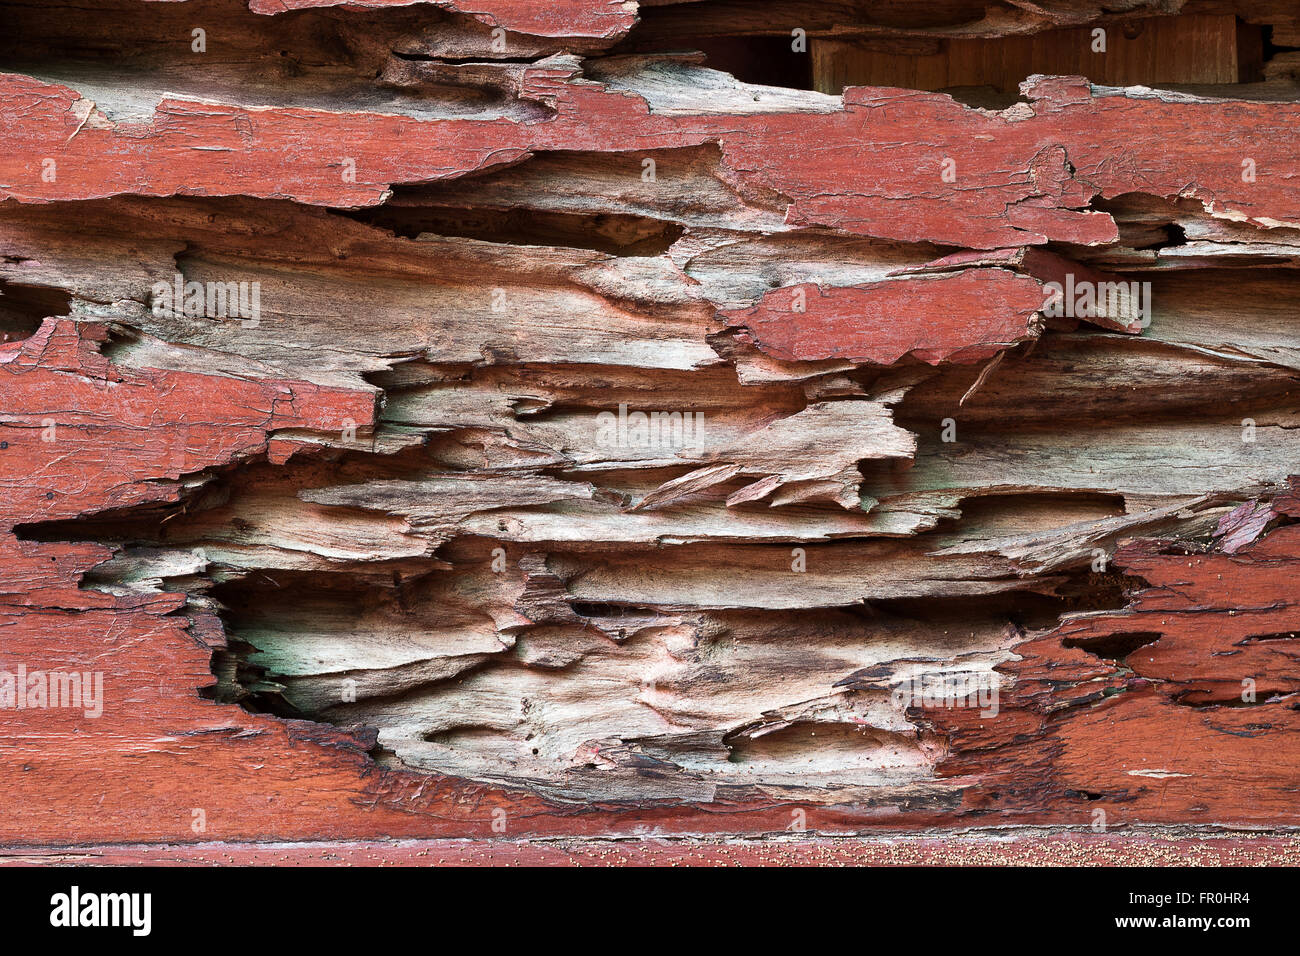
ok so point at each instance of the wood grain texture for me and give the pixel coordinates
(429, 441)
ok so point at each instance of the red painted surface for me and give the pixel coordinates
(1135, 730)
(965, 317)
(874, 167)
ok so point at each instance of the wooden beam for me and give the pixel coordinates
(1159, 51)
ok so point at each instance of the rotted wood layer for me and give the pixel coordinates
(487, 420)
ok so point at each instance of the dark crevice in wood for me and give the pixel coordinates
(622, 235)
(24, 307)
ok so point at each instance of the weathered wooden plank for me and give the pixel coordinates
(414, 438)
